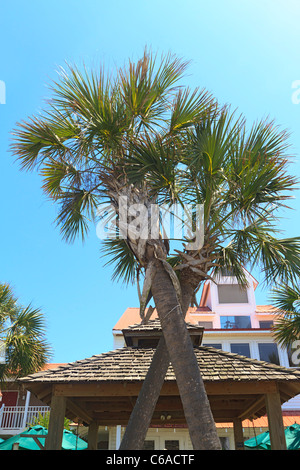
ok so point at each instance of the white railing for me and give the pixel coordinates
(14, 418)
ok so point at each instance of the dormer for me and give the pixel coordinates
(225, 295)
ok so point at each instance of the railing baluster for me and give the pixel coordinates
(12, 417)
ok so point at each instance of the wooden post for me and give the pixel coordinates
(93, 435)
(275, 420)
(238, 434)
(56, 423)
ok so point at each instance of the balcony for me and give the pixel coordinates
(14, 419)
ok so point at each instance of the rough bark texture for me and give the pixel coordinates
(193, 395)
(143, 410)
(194, 399)
(141, 416)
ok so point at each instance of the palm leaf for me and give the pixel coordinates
(287, 326)
(121, 258)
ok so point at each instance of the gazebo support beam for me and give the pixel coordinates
(93, 435)
(56, 423)
(276, 428)
(238, 434)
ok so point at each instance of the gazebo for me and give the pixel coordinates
(102, 390)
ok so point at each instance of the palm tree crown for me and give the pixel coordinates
(22, 339)
(141, 130)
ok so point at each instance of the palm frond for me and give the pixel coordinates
(286, 329)
(26, 350)
(8, 303)
(78, 208)
(121, 258)
(146, 87)
(279, 258)
(231, 259)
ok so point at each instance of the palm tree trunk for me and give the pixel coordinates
(193, 395)
(141, 416)
(194, 399)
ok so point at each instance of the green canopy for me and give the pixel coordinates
(262, 441)
(69, 442)
(258, 442)
(292, 435)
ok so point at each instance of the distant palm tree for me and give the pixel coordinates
(142, 137)
(23, 346)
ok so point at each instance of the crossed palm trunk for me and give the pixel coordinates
(176, 345)
(180, 352)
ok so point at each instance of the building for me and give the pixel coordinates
(18, 407)
(247, 376)
(233, 322)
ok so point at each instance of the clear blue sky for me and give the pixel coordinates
(245, 52)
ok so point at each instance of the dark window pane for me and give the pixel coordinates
(206, 324)
(235, 322)
(214, 345)
(232, 293)
(243, 349)
(268, 352)
(227, 272)
(172, 445)
(148, 445)
(266, 324)
(225, 443)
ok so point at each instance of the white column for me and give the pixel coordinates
(26, 409)
(118, 437)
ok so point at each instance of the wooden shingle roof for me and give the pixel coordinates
(154, 325)
(131, 364)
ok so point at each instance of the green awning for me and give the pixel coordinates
(262, 441)
(69, 442)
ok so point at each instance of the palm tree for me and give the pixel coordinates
(140, 137)
(242, 182)
(287, 326)
(21, 337)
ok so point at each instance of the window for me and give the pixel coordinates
(268, 352)
(267, 324)
(214, 345)
(243, 349)
(225, 443)
(235, 322)
(206, 324)
(232, 294)
(148, 445)
(227, 272)
(171, 445)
